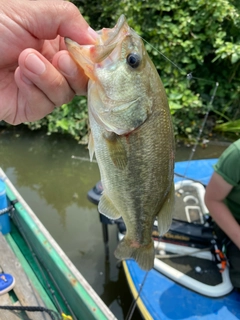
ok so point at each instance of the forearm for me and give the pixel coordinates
(225, 220)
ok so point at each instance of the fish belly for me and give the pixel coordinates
(137, 189)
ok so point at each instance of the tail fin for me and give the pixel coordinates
(144, 255)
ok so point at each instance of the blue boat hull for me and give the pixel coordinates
(163, 299)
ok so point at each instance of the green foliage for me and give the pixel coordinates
(71, 118)
(201, 37)
(231, 126)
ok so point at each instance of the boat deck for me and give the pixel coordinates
(25, 292)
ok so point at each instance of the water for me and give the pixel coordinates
(55, 186)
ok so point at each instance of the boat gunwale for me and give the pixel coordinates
(82, 288)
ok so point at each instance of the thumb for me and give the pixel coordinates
(47, 19)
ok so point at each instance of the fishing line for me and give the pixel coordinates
(201, 128)
(134, 302)
(189, 77)
(165, 57)
(83, 159)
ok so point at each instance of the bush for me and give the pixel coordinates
(71, 118)
(201, 37)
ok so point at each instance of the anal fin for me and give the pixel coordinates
(91, 146)
(107, 208)
(165, 214)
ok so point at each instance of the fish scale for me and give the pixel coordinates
(131, 135)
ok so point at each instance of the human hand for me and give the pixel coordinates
(36, 72)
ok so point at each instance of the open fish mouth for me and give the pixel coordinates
(113, 34)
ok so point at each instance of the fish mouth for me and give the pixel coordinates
(93, 55)
(116, 30)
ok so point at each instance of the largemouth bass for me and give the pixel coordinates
(131, 135)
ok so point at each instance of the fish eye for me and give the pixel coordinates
(133, 60)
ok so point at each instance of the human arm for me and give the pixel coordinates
(216, 192)
(36, 72)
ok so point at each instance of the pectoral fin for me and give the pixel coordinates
(165, 214)
(107, 208)
(116, 150)
(91, 146)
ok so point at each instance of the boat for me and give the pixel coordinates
(190, 279)
(47, 284)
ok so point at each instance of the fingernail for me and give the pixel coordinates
(92, 33)
(66, 65)
(34, 64)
